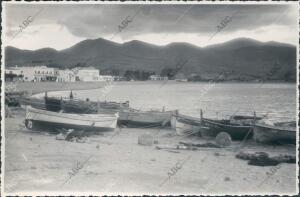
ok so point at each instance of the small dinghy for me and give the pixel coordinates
(238, 127)
(48, 120)
(73, 105)
(282, 132)
(185, 125)
(135, 118)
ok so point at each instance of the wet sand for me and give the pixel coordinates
(114, 163)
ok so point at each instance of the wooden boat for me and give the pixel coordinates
(73, 105)
(13, 98)
(237, 132)
(135, 118)
(238, 127)
(282, 132)
(53, 104)
(80, 106)
(48, 120)
(185, 125)
(33, 102)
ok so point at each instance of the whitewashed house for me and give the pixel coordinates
(87, 74)
(106, 78)
(157, 78)
(66, 75)
(36, 73)
(43, 73)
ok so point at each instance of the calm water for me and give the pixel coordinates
(216, 100)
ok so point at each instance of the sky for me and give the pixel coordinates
(60, 26)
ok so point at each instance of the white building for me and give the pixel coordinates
(90, 74)
(36, 73)
(43, 73)
(13, 70)
(66, 76)
(87, 74)
(157, 78)
(106, 78)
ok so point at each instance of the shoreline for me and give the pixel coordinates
(129, 167)
(40, 87)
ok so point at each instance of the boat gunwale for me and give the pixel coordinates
(148, 112)
(277, 128)
(83, 117)
(226, 125)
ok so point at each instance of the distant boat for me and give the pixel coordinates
(136, 118)
(48, 120)
(283, 132)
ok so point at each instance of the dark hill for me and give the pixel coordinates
(240, 58)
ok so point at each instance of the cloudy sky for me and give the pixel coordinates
(62, 25)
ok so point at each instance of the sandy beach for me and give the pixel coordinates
(114, 163)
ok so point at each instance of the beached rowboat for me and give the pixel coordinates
(238, 127)
(42, 119)
(279, 132)
(136, 118)
(237, 132)
(73, 105)
(185, 125)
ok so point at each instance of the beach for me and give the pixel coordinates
(114, 163)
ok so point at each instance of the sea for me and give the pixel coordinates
(275, 101)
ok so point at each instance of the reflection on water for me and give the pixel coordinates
(218, 100)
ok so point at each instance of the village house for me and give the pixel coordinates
(87, 74)
(66, 75)
(43, 73)
(106, 78)
(157, 78)
(180, 77)
(36, 73)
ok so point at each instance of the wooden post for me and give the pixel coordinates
(71, 95)
(98, 105)
(254, 119)
(201, 114)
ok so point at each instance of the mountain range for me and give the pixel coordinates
(241, 58)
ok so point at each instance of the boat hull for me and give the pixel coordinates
(212, 128)
(145, 119)
(184, 127)
(271, 134)
(38, 119)
(73, 106)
